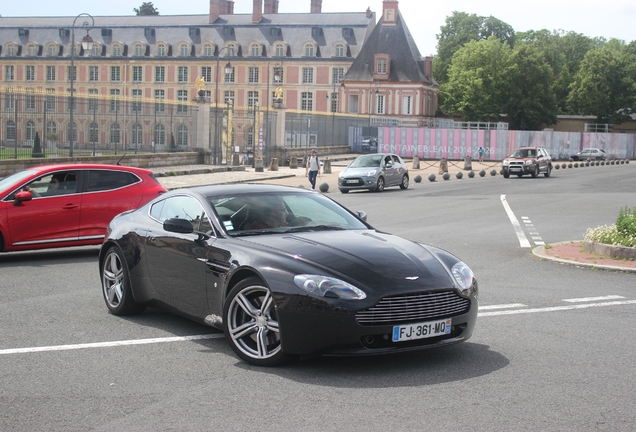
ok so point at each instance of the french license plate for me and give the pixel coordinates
(421, 330)
(352, 181)
(515, 168)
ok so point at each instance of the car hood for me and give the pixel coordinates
(357, 172)
(384, 262)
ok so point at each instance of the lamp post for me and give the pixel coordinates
(87, 44)
(228, 70)
(269, 96)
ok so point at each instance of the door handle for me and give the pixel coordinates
(70, 206)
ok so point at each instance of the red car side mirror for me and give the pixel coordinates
(22, 196)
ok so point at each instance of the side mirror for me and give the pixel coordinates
(389, 165)
(362, 215)
(22, 196)
(177, 225)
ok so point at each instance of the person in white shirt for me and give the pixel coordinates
(313, 168)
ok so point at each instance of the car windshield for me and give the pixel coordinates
(13, 179)
(368, 161)
(523, 153)
(286, 212)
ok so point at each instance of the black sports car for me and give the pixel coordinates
(285, 271)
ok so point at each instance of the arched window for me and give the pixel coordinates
(207, 50)
(183, 50)
(30, 131)
(95, 50)
(31, 50)
(309, 50)
(52, 50)
(255, 50)
(136, 135)
(280, 50)
(114, 133)
(160, 134)
(116, 50)
(231, 50)
(11, 130)
(139, 50)
(161, 50)
(51, 129)
(340, 51)
(10, 50)
(182, 136)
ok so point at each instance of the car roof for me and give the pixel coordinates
(242, 188)
(72, 166)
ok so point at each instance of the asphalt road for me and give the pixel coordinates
(553, 349)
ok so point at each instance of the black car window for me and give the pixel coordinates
(103, 180)
(185, 207)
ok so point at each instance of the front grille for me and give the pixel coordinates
(414, 307)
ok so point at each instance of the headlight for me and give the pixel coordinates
(464, 277)
(529, 162)
(323, 286)
(371, 173)
(506, 162)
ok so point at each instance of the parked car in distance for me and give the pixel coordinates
(370, 144)
(374, 172)
(590, 154)
(65, 205)
(285, 271)
(527, 160)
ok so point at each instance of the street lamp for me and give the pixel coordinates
(228, 70)
(87, 45)
(277, 80)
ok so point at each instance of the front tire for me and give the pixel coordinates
(379, 187)
(535, 172)
(250, 323)
(548, 172)
(116, 286)
(405, 182)
(344, 191)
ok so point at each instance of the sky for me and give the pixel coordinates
(614, 19)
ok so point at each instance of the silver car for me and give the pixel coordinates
(590, 154)
(374, 172)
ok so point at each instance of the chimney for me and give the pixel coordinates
(271, 6)
(389, 12)
(220, 7)
(257, 11)
(316, 6)
(428, 67)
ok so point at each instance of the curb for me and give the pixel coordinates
(539, 252)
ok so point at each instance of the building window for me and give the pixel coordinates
(160, 73)
(71, 132)
(92, 100)
(340, 51)
(93, 133)
(306, 101)
(353, 104)
(309, 50)
(137, 74)
(30, 73)
(136, 104)
(31, 50)
(381, 66)
(183, 74)
(9, 101)
(308, 75)
(52, 50)
(70, 103)
(10, 50)
(11, 132)
(407, 105)
(93, 73)
(228, 95)
(95, 50)
(30, 131)
(139, 50)
(255, 50)
(51, 128)
(183, 50)
(280, 50)
(231, 50)
(160, 95)
(8, 73)
(253, 75)
(161, 50)
(116, 50)
(137, 135)
(277, 77)
(49, 103)
(252, 99)
(337, 74)
(379, 104)
(334, 102)
(68, 73)
(182, 97)
(115, 73)
(114, 100)
(206, 73)
(207, 50)
(160, 134)
(182, 136)
(50, 73)
(29, 101)
(114, 133)
(229, 77)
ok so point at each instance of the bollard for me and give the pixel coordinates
(443, 166)
(293, 162)
(417, 178)
(326, 166)
(236, 159)
(273, 166)
(258, 165)
(416, 162)
(468, 163)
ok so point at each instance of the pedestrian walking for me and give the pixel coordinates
(313, 168)
(481, 154)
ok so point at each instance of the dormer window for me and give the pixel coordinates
(11, 50)
(255, 50)
(231, 50)
(340, 50)
(31, 50)
(139, 50)
(52, 50)
(380, 66)
(183, 50)
(279, 50)
(116, 50)
(95, 50)
(161, 50)
(309, 50)
(207, 50)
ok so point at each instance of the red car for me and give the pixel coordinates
(68, 204)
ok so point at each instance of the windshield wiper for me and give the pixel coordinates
(315, 228)
(255, 233)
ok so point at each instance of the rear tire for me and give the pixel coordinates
(548, 172)
(116, 286)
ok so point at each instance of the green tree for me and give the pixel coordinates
(602, 87)
(37, 148)
(461, 28)
(532, 103)
(479, 80)
(146, 8)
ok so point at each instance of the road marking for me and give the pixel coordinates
(110, 344)
(502, 306)
(588, 299)
(523, 240)
(556, 308)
